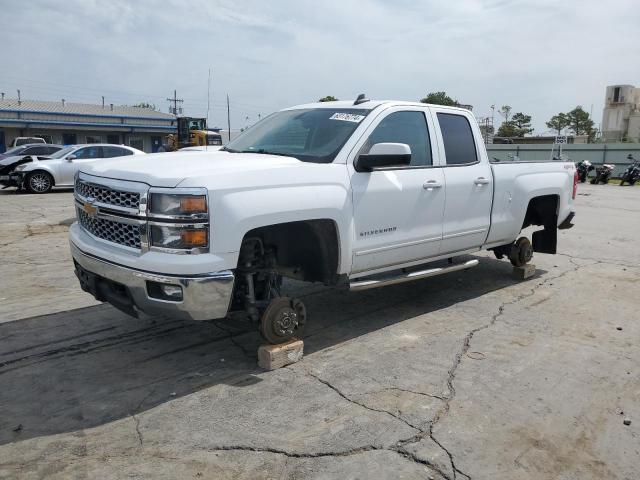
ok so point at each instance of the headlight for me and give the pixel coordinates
(180, 205)
(179, 237)
(19, 168)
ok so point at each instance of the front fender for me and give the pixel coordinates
(36, 165)
(236, 213)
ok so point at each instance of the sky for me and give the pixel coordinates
(540, 56)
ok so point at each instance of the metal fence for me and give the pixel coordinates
(597, 153)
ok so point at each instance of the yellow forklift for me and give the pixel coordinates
(192, 132)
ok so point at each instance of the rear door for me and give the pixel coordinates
(468, 182)
(398, 211)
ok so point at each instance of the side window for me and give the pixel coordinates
(39, 151)
(89, 152)
(30, 151)
(123, 152)
(110, 152)
(404, 127)
(457, 136)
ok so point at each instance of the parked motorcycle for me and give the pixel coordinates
(632, 173)
(603, 173)
(584, 167)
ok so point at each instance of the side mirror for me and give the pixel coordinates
(383, 155)
(71, 158)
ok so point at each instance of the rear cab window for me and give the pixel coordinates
(457, 137)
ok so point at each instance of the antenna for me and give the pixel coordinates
(361, 99)
(208, 96)
(206, 143)
(228, 118)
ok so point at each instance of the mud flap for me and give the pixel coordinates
(545, 241)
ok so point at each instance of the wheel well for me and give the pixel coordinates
(306, 250)
(543, 211)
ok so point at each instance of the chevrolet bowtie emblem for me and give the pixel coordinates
(90, 209)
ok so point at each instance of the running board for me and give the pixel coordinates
(408, 277)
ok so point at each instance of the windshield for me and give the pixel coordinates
(311, 135)
(196, 124)
(63, 152)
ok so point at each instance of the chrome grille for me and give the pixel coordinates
(116, 232)
(108, 195)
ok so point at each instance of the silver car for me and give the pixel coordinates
(58, 170)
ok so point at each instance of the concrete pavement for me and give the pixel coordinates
(469, 375)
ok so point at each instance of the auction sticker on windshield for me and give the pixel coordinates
(347, 117)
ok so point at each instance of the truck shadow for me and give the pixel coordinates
(83, 368)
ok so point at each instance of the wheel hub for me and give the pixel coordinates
(286, 322)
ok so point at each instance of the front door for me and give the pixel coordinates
(69, 166)
(156, 143)
(69, 139)
(469, 184)
(398, 212)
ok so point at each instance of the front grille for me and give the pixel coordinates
(116, 232)
(108, 195)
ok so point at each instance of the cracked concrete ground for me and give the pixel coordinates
(470, 375)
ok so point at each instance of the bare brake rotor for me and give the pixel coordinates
(282, 319)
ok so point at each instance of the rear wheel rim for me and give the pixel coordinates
(39, 182)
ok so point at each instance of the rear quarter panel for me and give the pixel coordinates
(516, 183)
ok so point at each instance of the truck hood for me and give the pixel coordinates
(170, 169)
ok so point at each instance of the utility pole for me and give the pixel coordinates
(19, 100)
(175, 100)
(228, 118)
(103, 102)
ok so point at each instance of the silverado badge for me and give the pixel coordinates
(90, 209)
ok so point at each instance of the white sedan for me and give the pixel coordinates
(58, 170)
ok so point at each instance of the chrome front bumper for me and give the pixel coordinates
(204, 297)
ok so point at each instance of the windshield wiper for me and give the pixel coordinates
(266, 152)
(230, 150)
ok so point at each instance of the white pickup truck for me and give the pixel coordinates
(357, 194)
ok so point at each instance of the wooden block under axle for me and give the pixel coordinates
(271, 357)
(524, 272)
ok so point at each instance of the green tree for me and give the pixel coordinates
(558, 122)
(505, 111)
(522, 123)
(508, 129)
(580, 124)
(328, 98)
(440, 98)
(518, 126)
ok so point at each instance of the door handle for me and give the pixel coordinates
(481, 181)
(431, 184)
